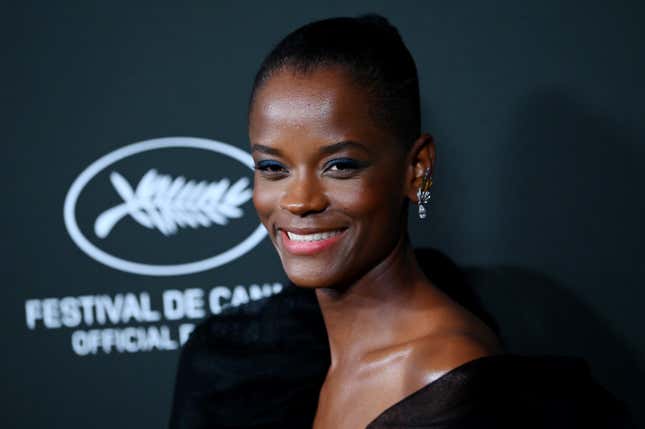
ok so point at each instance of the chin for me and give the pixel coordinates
(307, 277)
(311, 274)
(314, 276)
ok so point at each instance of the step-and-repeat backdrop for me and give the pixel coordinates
(127, 180)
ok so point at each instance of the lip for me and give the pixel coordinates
(308, 248)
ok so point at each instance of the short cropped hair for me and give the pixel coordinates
(372, 51)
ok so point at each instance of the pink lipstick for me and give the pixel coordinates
(311, 243)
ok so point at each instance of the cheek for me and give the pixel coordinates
(264, 199)
(370, 197)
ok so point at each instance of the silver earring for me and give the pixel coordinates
(423, 193)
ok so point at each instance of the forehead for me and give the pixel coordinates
(325, 102)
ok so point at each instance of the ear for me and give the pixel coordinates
(420, 157)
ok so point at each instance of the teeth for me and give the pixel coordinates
(312, 237)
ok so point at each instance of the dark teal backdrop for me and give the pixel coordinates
(538, 114)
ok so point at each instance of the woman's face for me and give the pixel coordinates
(330, 183)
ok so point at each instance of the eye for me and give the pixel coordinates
(343, 167)
(271, 169)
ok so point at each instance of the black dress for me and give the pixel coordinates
(262, 367)
(509, 391)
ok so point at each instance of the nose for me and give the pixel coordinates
(304, 195)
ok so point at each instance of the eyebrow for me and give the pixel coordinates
(325, 150)
(337, 147)
(265, 149)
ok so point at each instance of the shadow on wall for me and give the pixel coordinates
(569, 191)
(570, 181)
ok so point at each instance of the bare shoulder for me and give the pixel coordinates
(458, 339)
(432, 358)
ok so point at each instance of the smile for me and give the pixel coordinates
(311, 243)
(313, 237)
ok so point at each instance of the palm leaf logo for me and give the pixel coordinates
(166, 204)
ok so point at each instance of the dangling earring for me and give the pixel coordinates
(423, 193)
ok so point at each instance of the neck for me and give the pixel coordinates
(377, 310)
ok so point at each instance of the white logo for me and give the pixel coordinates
(165, 204)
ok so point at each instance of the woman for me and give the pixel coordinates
(334, 126)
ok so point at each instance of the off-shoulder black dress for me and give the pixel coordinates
(262, 367)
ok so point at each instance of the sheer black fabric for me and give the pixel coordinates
(508, 391)
(257, 366)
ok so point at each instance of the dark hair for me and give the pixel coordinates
(372, 50)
